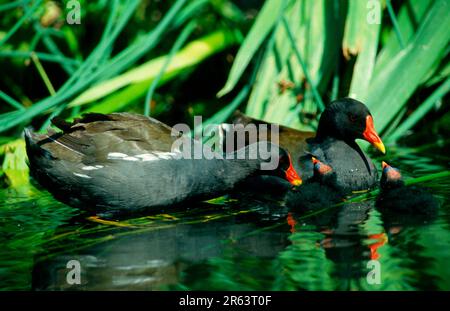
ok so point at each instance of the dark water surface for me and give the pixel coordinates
(233, 244)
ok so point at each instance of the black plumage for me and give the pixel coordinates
(399, 203)
(318, 192)
(126, 162)
(341, 123)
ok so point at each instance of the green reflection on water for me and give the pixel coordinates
(243, 244)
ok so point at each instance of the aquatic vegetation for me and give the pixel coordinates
(280, 61)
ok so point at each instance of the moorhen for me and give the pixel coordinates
(124, 162)
(396, 201)
(317, 192)
(341, 123)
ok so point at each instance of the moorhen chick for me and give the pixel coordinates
(124, 162)
(341, 123)
(396, 200)
(317, 192)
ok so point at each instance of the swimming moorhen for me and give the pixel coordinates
(317, 192)
(126, 162)
(342, 122)
(396, 200)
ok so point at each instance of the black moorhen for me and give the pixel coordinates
(317, 192)
(399, 201)
(124, 162)
(342, 122)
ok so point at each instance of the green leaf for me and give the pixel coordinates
(227, 111)
(14, 163)
(420, 112)
(264, 23)
(411, 12)
(179, 42)
(361, 39)
(318, 41)
(139, 78)
(190, 55)
(395, 83)
(354, 37)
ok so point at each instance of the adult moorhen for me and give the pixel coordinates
(397, 202)
(126, 162)
(317, 192)
(342, 122)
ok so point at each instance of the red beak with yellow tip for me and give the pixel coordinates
(292, 176)
(371, 135)
(314, 160)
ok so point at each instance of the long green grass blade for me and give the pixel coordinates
(261, 28)
(29, 11)
(190, 55)
(408, 182)
(438, 76)
(55, 113)
(420, 112)
(42, 56)
(52, 47)
(312, 84)
(355, 21)
(335, 86)
(264, 79)
(411, 13)
(397, 30)
(362, 38)
(133, 53)
(224, 113)
(13, 5)
(176, 47)
(89, 72)
(11, 101)
(43, 74)
(391, 88)
(318, 42)
(78, 80)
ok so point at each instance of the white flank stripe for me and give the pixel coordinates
(82, 175)
(130, 159)
(117, 155)
(152, 156)
(89, 168)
